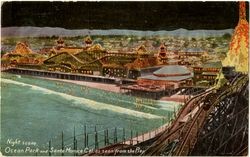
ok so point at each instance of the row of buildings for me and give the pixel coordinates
(166, 68)
(176, 66)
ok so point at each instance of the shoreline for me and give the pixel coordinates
(111, 88)
(96, 85)
(114, 88)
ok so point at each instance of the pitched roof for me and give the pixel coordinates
(172, 69)
(172, 78)
(214, 64)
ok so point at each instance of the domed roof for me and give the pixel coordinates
(172, 70)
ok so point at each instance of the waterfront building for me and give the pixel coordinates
(207, 72)
(95, 60)
(170, 76)
(163, 80)
(114, 70)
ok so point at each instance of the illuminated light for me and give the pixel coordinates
(237, 55)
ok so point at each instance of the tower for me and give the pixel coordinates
(162, 51)
(88, 41)
(242, 10)
(60, 43)
(237, 55)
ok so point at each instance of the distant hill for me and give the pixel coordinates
(49, 31)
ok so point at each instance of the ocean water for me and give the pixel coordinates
(35, 111)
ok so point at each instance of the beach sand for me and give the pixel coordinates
(97, 85)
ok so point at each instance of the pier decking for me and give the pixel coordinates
(67, 76)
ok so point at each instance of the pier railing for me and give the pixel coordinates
(88, 141)
(92, 139)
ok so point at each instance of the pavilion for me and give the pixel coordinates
(170, 76)
(164, 80)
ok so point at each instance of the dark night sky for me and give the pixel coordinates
(122, 15)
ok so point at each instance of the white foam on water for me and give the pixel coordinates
(156, 104)
(133, 103)
(111, 98)
(87, 102)
(169, 105)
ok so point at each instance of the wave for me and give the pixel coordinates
(169, 105)
(87, 102)
(157, 104)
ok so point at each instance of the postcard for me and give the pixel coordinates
(138, 78)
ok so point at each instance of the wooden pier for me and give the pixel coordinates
(153, 93)
(67, 76)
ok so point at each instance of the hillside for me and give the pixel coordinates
(49, 31)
